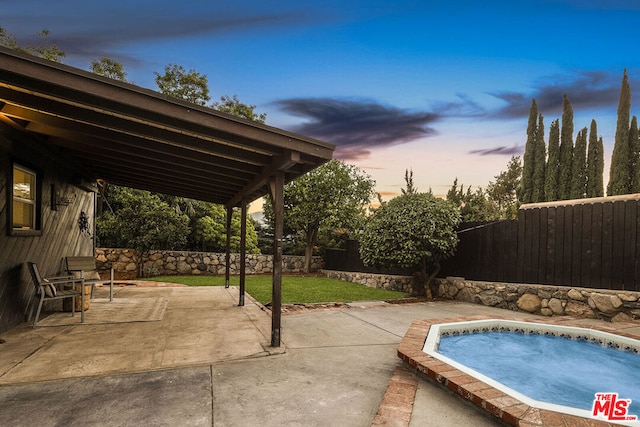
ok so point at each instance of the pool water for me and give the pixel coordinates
(549, 368)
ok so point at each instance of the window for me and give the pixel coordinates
(25, 210)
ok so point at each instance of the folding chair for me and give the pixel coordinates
(47, 290)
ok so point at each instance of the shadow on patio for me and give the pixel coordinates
(143, 329)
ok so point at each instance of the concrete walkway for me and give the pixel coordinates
(207, 363)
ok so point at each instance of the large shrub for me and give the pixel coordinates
(414, 230)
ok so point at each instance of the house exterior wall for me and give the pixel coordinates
(60, 234)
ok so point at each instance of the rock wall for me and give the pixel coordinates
(126, 262)
(382, 281)
(616, 306)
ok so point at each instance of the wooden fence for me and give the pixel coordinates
(593, 243)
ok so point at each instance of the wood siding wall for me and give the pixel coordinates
(60, 232)
(591, 245)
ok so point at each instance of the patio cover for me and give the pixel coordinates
(135, 137)
(139, 138)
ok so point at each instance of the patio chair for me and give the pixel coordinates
(47, 290)
(85, 267)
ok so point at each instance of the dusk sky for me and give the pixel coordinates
(440, 87)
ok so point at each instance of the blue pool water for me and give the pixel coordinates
(548, 368)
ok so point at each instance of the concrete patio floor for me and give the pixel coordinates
(200, 326)
(207, 362)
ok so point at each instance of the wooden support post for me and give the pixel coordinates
(227, 269)
(243, 250)
(276, 184)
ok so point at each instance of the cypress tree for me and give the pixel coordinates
(566, 150)
(553, 163)
(539, 156)
(595, 163)
(528, 166)
(634, 150)
(579, 166)
(619, 174)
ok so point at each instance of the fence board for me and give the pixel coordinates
(528, 246)
(595, 264)
(567, 265)
(585, 246)
(490, 257)
(476, 250)
(521, 246)
(534, 268)
(497, 247)
(576, 246)
(637, 261)
(607, 245)
(550, 246)
(542, 245)
(559, 253)
(617, 261)
(629, 257)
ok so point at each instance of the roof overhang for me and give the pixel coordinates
(139, 138)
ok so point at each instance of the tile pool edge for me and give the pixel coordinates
(500, 404)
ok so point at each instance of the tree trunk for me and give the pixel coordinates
(312, 237)
(308, 253)
(427, 285)
(421, 282)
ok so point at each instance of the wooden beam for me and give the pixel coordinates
(227, 268)
(140, 135)
(279, 164)
(243, 250)
(276, 185)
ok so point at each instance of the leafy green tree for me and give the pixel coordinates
(108, 67)
(232, 105)
(414, 230)
(45, 49)
(208, 225)
(408, 179)
(332, 196)
(503, 192)
(634, 148)
(454, 195)
(140, 220)
(477, 207)
(579, 166)
(210, 231)
(566, 150)
(595, 163)
(528, 167)
(474, 206)
(619, 172)
(552, 170)
(539, 163)
(189, 85)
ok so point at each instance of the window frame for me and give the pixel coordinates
(37, 202)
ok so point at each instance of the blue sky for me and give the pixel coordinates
(439, 87)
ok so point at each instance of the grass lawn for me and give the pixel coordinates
(295, 289)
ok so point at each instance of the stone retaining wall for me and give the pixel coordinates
(547, 300)
(126, 262)
(381, 281)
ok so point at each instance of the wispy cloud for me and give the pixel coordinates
(501, 151)
(358, 125)
(84, 29)
(585, 89)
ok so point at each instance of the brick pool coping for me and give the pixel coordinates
(507, 408)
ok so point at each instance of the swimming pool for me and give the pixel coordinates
(558, 368)
(492, 395)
